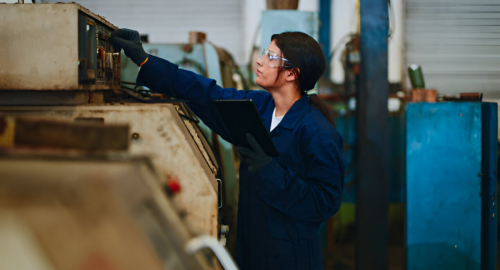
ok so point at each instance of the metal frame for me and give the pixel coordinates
(373, 133)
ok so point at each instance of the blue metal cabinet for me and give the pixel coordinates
(451, 153)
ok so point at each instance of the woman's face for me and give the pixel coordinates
(268, 71)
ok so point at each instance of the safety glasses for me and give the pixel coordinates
(271, 59)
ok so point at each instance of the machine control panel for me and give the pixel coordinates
(99, 63)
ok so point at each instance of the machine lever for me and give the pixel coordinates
(205, 241)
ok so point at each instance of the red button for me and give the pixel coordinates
(174, 186)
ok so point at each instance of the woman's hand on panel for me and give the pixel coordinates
(130, 42)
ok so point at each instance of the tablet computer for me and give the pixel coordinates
(240, 117)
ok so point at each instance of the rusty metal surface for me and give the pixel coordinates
(91, 14)
(40, 132)
(7, 131)
(158, 131)
(52, 98)
(89, 212)
(198, 137)
(40, 47)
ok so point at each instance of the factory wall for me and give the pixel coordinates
(457, 43)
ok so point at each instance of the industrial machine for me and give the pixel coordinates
(56, 47)
(156, 130)
(63, 57)
(61, 210)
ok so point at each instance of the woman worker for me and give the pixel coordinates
(284, 199)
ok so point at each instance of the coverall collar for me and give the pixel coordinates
(295, 113)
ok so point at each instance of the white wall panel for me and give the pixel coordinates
(343, 23)
(170, 21)
(457, 43)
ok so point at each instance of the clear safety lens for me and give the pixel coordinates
(271, 59)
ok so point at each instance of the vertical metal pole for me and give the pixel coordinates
(325, 8)
(373, 132)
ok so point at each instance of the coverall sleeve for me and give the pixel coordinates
(314, 197)
(162, 76)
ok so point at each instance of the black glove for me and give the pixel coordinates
(130, 42)
(255, 157)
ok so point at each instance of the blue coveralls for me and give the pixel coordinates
(282, 206)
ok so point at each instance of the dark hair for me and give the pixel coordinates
(305, 54)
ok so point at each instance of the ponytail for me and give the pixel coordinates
(322, 107)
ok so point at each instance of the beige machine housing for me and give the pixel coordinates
(82, 211)
(61, 46)
(156, 130)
